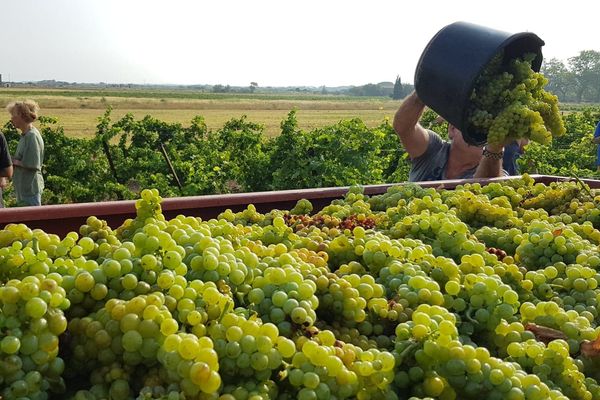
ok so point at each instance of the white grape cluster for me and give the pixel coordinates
(509, 102)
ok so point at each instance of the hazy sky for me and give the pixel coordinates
(273, 43)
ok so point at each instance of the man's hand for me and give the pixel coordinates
(499, 147)
(495, 148)
(490, 165)
(4, 182)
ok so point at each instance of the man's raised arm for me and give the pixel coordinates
(413, 136)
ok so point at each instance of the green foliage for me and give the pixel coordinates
(343, 154)
(432, 121)
(568, 155)
(75, 170)
(238, 157)
(242, 146)
(201, 160)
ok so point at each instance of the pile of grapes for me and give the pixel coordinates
(482, 292)
(509, 102)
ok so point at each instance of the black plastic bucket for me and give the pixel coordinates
(453, 60)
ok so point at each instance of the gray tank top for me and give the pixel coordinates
(431, 165)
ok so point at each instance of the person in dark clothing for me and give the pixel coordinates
(597, 141)
(6, 166)
(512, 152)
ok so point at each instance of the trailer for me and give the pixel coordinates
(64, 218)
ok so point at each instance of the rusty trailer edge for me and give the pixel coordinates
(63, 218)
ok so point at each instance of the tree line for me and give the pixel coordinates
(577, 80)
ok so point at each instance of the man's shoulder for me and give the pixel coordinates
(430, 165)
(436, 142)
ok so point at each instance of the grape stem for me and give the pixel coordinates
(225, 310)
(469, 316)
(411, 346)
(583, 185)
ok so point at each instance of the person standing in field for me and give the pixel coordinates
(29, 156)
(597, 141)
(435, 159)
(6, 168)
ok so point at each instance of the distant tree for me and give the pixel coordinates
(323, 90)
(398, 89)
(586, 68)
(561, 81)
(221, 89)
(370, 89)
(253, 86)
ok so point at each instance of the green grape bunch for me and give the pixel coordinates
(509, 102)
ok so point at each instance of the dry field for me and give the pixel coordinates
(78, 111)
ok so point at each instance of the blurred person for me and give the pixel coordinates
(597, 141)
(6, 167)
(512, 152)
(29, 156)
(436, 159)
